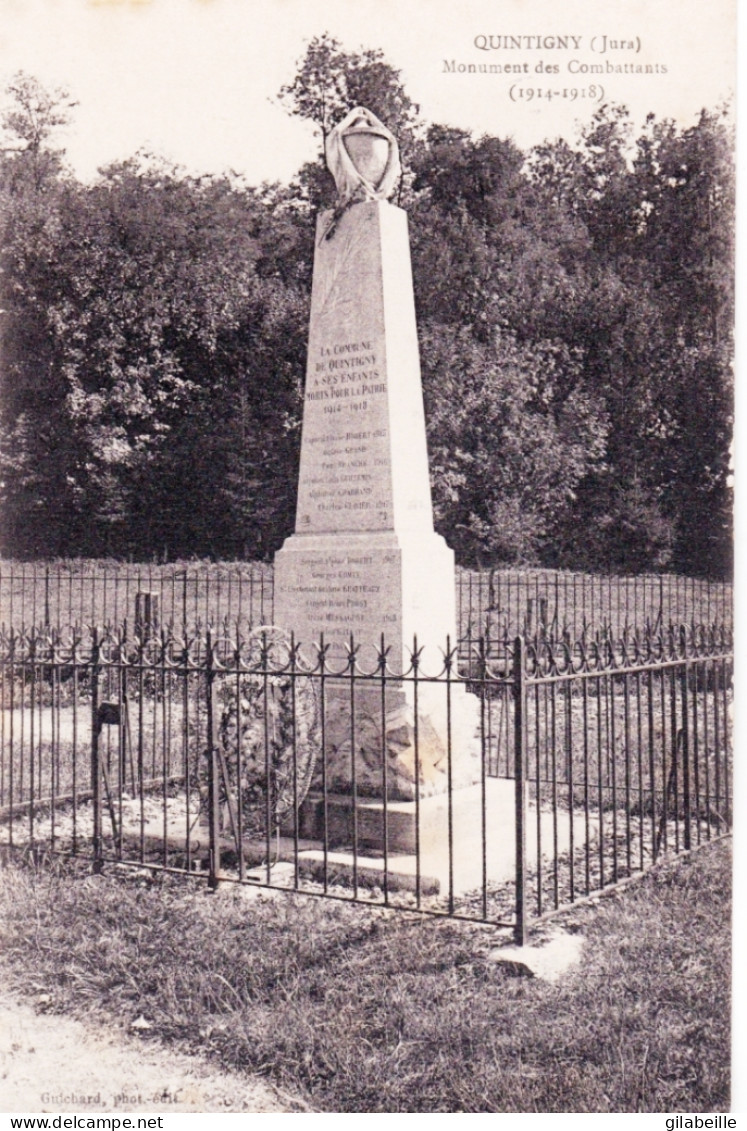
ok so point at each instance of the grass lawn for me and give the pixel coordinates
(367, 1010)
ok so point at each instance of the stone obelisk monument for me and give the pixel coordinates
(364, 559)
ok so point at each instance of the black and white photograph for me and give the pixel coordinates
(367, 560)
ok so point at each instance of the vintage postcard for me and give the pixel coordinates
(367, 559)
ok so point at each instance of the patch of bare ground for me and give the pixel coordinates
(54, 1063)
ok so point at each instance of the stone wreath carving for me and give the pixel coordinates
(267, 724)
(363, 157)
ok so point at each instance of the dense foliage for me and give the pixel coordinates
(575, 308)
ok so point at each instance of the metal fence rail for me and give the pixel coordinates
(494, 794)
(627, 756)
(561, 606)
(499, 604)
(60, 595)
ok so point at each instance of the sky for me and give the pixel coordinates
(196, 80)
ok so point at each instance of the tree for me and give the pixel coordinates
(34, 439)
(137, 309)
(330, 81)
(507, 448)
(180, 379)
(656, 331)
(30, 123)
(575, 319)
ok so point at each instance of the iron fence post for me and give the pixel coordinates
(98, 856)
(212, 768)
(520, 788)
(684, 680)
(46, 597)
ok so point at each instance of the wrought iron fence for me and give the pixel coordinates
(494, 795)
(498, 604)
(627, 756)
(80, 593)
(562, 607)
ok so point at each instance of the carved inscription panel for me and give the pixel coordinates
(353, 590)
(345, 481)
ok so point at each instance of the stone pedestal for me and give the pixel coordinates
(365, 584)
(364, 559)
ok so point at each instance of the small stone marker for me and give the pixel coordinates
(146, 614)
(548, 959)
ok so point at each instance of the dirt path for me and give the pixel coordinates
(50, 1063)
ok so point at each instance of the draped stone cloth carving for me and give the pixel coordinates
(352, 185)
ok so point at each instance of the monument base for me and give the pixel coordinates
(407, 825)
(369, 587)
(399, 749)
(403, 730)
